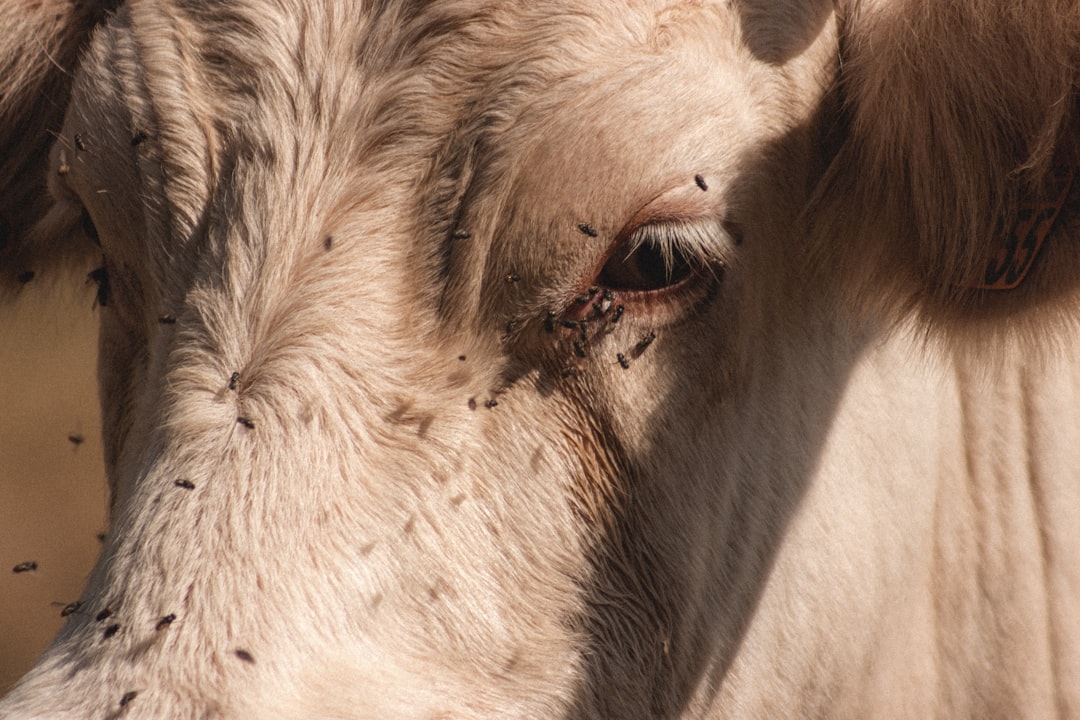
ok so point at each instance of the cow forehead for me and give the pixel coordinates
(438, 113)
(397, 79)
(386, 62)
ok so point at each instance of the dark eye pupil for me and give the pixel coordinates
(650, 265)
(645, 269)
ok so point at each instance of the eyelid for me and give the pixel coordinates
(702, 244)
(703, 241)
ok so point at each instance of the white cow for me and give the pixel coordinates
(562, 359)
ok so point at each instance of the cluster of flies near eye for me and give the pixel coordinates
(600, 319)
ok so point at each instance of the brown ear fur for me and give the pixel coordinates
(954, 111)
(40, 44)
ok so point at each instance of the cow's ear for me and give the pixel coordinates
(959, 132)
(40, 44)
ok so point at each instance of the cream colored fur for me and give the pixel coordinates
(811, 495)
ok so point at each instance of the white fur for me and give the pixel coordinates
(794, 502)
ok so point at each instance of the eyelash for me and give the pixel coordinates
(663, 254)
(688, 242)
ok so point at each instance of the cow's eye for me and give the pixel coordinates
(654, 257)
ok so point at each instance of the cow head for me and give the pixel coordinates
(465, 359)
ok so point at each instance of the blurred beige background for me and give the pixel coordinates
(52, 491)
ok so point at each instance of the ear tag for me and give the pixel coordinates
(1020, 248)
